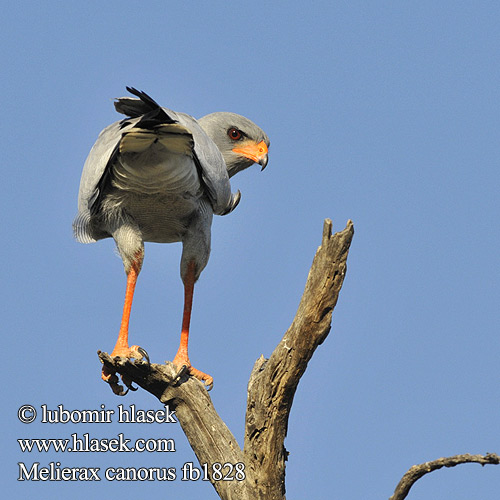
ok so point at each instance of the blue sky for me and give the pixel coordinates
(386, 113)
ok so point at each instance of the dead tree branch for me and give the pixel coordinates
(273, 382)
(208, 435)
(418, 471)
(271, 387)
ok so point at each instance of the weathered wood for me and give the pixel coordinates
(273, 382)
(271, 389)
(271, 386)
(210, 438)
(418, 471)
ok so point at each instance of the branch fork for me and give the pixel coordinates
(271, 389)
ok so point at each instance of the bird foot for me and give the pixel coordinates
(184, 365)
(134, 352)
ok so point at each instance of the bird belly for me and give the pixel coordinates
(161, 218)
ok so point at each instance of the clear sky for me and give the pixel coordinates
(386, 113)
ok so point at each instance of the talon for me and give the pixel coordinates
(182, 370)
(205, 379)
(112, 380)
(185, 365)
(126, 380)
(118, 389)
(143, 353)
(106, 374)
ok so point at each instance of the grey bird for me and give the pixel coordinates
(159, 176)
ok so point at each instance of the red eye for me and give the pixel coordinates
(234, 134)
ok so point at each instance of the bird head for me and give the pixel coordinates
(241, 142)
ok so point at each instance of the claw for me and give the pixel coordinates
(118, 389)
(205, 379)
(208, 383)
(186, 367)
(128, 382)
(139, 354)
(112, 380)
(180, 373)
(144, 355)
(135, 352)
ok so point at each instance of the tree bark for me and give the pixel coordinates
(418, 471)
(271, 387)
(273, 382)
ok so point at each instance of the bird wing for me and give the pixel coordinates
(211, 167)
(177, 131)
(93, 170)
(209, 161)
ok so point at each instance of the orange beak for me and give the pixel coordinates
(255, 152)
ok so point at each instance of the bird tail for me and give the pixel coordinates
(135, 106)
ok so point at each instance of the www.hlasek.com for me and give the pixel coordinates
(76, 443)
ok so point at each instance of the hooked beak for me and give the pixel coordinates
(263, 162)
(255, 152)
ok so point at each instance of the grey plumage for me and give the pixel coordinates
(159, 175)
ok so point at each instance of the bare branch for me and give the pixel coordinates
(418, 471)
(273, 382)
(271, 389)
(208, 435)
(271, 386)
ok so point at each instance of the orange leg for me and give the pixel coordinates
(182, 358)
(121, 347)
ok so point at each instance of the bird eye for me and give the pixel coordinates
(234, 134)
